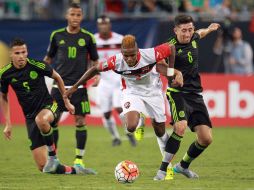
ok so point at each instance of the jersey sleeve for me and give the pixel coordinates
(4, 86)
(42, 68)
(162, 51)
(196, 36)
(109, 64)
(52, 48)
(92, 49)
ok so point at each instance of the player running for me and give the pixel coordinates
(186, 102)
(140, 83)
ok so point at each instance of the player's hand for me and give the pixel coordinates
(97, 79)
(213, 26)
(69, 92)
(69, 106)
(178, 79)
(7, 132)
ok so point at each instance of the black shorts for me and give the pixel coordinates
(190, 107)
(79, 99)
(34, 134)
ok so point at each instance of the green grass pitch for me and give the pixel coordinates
(228, 164)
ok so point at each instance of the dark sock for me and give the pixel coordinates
(193, 152)
(171, 148)
(49, 141)
(62, 169)
(81, 137)
(56, 135)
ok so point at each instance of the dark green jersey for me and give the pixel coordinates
(71, 53)
(29, 85)
(186, 61)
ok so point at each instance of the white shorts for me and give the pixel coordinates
(154, 106)
(109, 98)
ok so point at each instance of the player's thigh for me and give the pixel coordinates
(177, 106)
(155, 107)
(40, 156)
(117, 96)
(81, 102)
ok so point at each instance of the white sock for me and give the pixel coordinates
(110, 125)
(162, 141)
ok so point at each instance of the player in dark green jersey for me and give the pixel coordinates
(186, 102)
(71, 48)
(26, 77)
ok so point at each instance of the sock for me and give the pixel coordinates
(172, 147)
(81, 137)
(62, 169)
(193, 152)
(56, 135)
(110, 125)
(141, 121)
(49, 141)
(162, 141)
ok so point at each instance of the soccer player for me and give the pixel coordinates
(26, 77)
(109, 43)
(70, 47)
(140, 83)
(187, 104)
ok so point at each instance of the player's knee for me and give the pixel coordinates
(40, 120)
(107, 115)
(80, 121)
(206, 141)
(180, 127)
(131, 126)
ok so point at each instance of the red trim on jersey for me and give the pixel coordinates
(109, 64)
(123, 84)
(162, 51)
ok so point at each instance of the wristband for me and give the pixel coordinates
(170, 72)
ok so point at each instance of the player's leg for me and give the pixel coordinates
(180, 124)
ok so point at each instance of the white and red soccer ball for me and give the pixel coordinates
(126, 172)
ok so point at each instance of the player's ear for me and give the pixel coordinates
(175, 30)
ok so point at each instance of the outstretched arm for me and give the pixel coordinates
(6, 112)
(90, 73)
(204, 31)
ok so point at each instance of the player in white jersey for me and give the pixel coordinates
(140, 84)
(109, 86)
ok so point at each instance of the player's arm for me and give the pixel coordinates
(4, 103)
(47, 59)
(60, 84)
(204, 31)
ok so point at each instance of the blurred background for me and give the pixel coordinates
(151, 21)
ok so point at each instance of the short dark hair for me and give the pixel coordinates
(17, 42)
(103, 18)
(183, 19)
(75, 6)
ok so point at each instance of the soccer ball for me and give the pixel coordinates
(126, 172)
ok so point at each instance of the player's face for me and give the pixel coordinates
(104, 28)
(19, 56)
(74, 17)
(184, 32)
(130, 56)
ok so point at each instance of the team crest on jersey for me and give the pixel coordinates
(62, 42)
(33, 74)
(181, 113)
(105, 65)
(194, 44)
(81, 42)
(127, 105)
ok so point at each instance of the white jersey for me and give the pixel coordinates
(140, 79)
(107, 48)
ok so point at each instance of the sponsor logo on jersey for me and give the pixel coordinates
(179, 51)
(81, 42)
(13, 80)
(33, 74)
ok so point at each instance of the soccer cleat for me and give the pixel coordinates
(86, 171)
(132, 139)
(51, 165)
(160, 175)
(79, 162)
(170, 173)
(139, 132)
(116, 142)
(185, 171)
